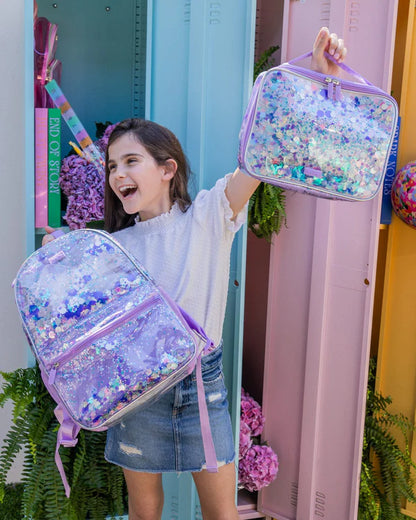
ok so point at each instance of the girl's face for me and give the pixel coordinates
(138, 181)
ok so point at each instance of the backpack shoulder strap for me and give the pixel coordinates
(209, 448)
(67, 436)
(67, 433)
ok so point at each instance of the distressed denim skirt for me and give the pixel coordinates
(166, 434)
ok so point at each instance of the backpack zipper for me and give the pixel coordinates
(54, 365)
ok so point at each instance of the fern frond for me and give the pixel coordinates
(266, 211)
(117, 490)
(10, 509)
(369, 502)
(265, 61)
(13, 443)
(79, 459)
(392, 483)
(33, 491)
(39, 420)
(20, 388)
(98, 489)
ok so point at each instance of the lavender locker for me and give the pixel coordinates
(321, 290)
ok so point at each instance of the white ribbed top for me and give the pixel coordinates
(188, 254)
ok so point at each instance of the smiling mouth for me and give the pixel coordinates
(125, 191)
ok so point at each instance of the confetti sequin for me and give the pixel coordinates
(100, 328)
(297, 136)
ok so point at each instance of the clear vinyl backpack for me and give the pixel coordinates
(107, 339)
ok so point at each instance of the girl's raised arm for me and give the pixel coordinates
(240, 186)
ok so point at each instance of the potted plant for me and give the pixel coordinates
(97, 488)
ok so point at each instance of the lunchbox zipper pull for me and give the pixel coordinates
(337, 89)
(333, 88)
(330, 87)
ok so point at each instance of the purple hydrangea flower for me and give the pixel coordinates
(83, 185)
(251, 413)
(258, 468)
(245, 439)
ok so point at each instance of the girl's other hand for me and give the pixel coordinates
(48, 237)
(333, 46)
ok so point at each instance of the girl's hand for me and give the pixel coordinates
(331, 44)
(48, 237)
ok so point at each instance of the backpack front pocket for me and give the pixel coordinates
(121, 361)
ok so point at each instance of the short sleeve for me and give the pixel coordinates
(212, 208)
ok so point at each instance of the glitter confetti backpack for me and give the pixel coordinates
(107, 339)
(319, 134)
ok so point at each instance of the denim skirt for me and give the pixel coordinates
(166, 434)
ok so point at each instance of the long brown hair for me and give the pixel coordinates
(162, 145)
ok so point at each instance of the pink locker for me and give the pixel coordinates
(320, 295)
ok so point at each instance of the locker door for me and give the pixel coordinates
(321, 293)
(199, 66)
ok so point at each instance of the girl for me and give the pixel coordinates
(186, 248)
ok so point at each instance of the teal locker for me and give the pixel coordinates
(102, 47)
(188, 67)
(200, 66)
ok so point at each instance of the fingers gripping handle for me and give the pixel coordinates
(344, 67)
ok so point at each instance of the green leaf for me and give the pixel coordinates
(266, 211)
(382, 491)
(265, 61)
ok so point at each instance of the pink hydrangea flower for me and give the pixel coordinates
(251, 413)
(245, 439)
(258, 468)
